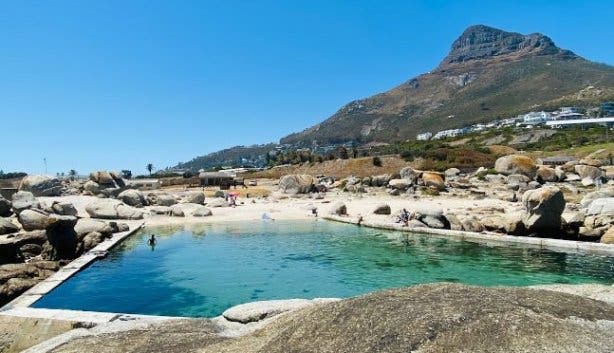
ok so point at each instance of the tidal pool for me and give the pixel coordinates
(201, 272)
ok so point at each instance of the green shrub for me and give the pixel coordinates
(377, 161)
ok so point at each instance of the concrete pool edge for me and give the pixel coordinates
(490, 238)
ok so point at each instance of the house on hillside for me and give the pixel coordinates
(425, 136)
(607, 109)
(536, 118)
(221, 179)
(556, 160)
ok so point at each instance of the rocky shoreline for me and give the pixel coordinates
(574, 201)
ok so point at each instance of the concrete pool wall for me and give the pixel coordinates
(490, 238)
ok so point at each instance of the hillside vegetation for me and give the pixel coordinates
(466, 152)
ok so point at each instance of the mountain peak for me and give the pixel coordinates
(483, 42)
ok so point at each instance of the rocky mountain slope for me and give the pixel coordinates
(488, 74)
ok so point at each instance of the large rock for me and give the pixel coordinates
(409, 173)
(15, 287)
(543, 209)
(5, 207)
(90, 240)
(61, 239)
(109, 184)
(451, 172)
(472, 224)
(112, 209)
(6, 226)
(591, 196)
(608, 237)
(177, 211)
(160, 210)
(92, 187)
(546, 174)
(194, 197)
(432, 217)
(382, 209)
(352, 180)
(339, 209)
(257, 311)
(41, 185)
(85, 226)
(296, 183)
(602, 206)
(201, 211)
(400, 184)
(433, 180)
(218, 202)
(33, 219)
(380, 180)
(107, 179)
(518, 180)
(9, 246)
(516, 164)
(162, 199)
(23, 200)
(588, 171)
(599, 158)
(133, 197)
(63, 208)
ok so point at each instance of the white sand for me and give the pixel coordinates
(300, 207)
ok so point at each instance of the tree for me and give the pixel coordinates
(343, 153)
(377, 161)
(127, 174)
(72, 174)
(150, 168)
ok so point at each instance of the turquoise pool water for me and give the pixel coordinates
(202, 272)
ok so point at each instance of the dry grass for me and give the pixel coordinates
(500, 150)
(582, 151)
(339, 168)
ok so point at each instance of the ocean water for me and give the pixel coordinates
(201, 272)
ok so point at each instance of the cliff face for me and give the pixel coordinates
(488, 74)
(482, 42)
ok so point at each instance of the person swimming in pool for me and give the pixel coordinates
(152, 241)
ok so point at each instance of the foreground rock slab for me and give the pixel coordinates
(256, 311)
(428, 319)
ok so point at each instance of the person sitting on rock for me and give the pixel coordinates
(405, 217)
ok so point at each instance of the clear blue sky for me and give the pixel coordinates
(117, 84)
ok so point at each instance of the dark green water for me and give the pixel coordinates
(203, 272)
